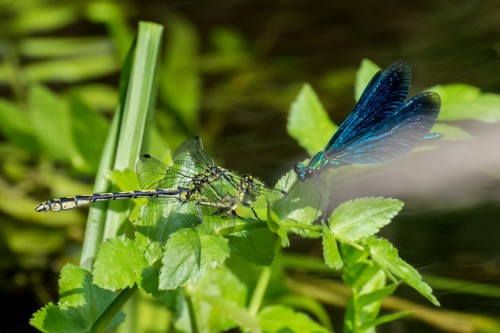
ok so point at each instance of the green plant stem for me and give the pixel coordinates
(102, 322)
(260, 290)
(192, 314)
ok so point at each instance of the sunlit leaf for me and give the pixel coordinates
(330, 250)
(186, 259)
(462, 101)
(308, 122)
(52, 125)
(386, 256)
(119, 264)
(80, 304)
(363, 217)
(363, 76)
(222, 297)
(278, 318)
(15, 128)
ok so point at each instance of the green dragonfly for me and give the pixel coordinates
(192, 178)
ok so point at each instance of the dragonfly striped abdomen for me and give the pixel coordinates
(66, 203)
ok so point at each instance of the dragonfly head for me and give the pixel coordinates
(43, 207)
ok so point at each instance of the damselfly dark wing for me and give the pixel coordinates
(382, 126)
(384, 95)
(396, 136)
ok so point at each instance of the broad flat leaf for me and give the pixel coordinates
(360, 218)
(119, 264)
(187, 259)
(308, 122)
(462, 101)
(255, 245)
(15, 128)
(80, 304)
(386, 256)
(220, 302)
(52, 125)
(376, 295)
(278, 318)
(363, 76)
(331, 251)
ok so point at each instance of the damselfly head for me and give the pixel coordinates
(303, 172)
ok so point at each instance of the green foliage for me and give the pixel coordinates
(360, 218)
(279, 318)
(208, 276)
(81, 303)
(188, 255)
(462, 101)
(363, 77)
(308, 121)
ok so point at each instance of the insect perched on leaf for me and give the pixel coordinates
(383, 125)
(192, 179)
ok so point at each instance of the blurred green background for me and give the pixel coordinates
(229, 72)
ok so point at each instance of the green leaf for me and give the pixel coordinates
(89, 131)
(363, 76)
(308, 122)
(280, 319)
(222, 297)
(255, 245)
(386, 256)
(330, 250)
(274, 224)
(186, 259)
(360, 218)
(48, 47)
(462, 101)
(15, 128)
(180, 82)
(73, 69)
(81, 304)
(385, 319)
(376, 295)
(38, 19)
(52, 125)
(119, 264)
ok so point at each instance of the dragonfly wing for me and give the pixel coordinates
(383, 96)
(396, 135)
(153, 173)
(191, 156)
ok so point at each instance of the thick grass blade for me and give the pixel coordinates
(125, 138)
